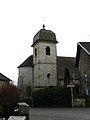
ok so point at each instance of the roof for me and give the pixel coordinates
(69, 63)
(4, 78)
(85, 46)
(27, 63)
(23, 104)
(17, 118)
(44, 35)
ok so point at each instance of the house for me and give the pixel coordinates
(4, 81)
(44, 68)
(83, 63)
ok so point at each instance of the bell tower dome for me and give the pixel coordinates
(45, 58)
(44, 35)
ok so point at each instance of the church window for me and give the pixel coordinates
(35, 52)
(48, 75)
(47, 50)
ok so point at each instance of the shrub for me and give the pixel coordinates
(9, 96)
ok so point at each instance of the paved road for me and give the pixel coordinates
(59, 114)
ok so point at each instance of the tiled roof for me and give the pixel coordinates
(69, 63)
(4, 78)
(28, 62)
(44, 35)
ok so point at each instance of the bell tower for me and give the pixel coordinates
(44, 58)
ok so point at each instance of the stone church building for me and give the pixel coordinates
(44, 68)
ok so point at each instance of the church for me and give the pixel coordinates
(44, 68)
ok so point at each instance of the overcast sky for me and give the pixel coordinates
(20, 20)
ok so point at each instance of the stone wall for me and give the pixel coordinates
(41, 53)
(45, 75)
(45, 66)
(84, 63)
(84, 68)
(79, 102)
(25, 76)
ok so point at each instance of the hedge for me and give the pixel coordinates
(52, 97)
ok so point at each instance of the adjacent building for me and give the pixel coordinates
(4, 81)
(83, 63)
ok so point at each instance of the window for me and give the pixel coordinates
(47, 50)
(48, 75)
(35, 52)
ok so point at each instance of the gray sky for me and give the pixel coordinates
(21, 19)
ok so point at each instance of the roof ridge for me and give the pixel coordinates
(84, 47)
(3, 76)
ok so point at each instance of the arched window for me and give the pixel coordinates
(35, 52)
(47, 50)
